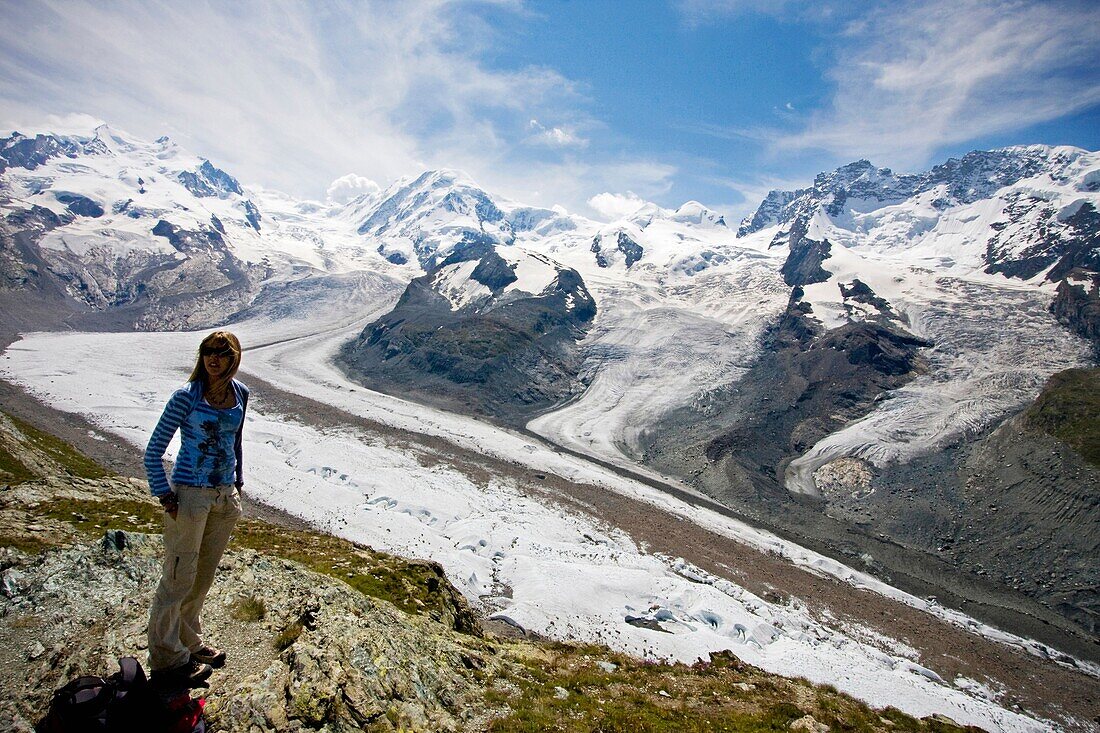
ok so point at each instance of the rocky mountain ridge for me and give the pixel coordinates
(491, 330)
(1032, 231)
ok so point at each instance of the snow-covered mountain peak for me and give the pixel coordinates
(130, 224)
(116, 141)
(976, 176)
(694, 212)
(427, 218)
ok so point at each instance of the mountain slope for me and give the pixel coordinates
(491, 330)
(107, 231)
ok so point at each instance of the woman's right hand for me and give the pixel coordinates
(171, 504)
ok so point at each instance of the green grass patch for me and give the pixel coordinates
(414, 587)
(249, 608)
(1069, 409)
(93, 517)
(24, 543)
(69, 458)
(12, 470)
(568, 690)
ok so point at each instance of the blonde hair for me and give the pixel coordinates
(217, 340)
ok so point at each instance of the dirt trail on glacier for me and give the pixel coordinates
(1037, 686)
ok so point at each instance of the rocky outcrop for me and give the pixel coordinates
(311, 653)
(1076, 305)
(860, 292)
(80, 205)
(210, 181)
(505, 353)
(25, 152)
(803, 264)
(630, 250)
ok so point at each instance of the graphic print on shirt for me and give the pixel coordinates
(215, 457)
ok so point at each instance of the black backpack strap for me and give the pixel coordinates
(79, 705)
(89, 693)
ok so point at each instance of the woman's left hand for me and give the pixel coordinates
(171, 504)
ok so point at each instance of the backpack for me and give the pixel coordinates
(125, 702)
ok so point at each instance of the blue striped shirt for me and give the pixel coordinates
(210, 441)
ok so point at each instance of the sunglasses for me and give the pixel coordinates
(224, 352)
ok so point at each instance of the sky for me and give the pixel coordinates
(594, 105)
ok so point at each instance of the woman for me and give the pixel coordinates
(201, 506)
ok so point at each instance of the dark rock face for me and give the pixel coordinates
(23, 152)
(395, 257)
(769, 212)
(631, 250)
(189, 241)
(210, 181)
(80, 205)
(1072, 244)
(1080, 244)
(506, 358)
(1076, 305)
(807, 385)
(814, 391)
(221, 180)
(803, 265)
(252, 214)
(860, 292)
(493, 272)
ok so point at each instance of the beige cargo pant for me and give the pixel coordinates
(193, 545)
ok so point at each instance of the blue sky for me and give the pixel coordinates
(594, 105)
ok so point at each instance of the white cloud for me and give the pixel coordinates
(553, 137)
(914, 77)
(346, 188)
(72, 124)
(614, 206)
(285, 94)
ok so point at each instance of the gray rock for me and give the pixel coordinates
(357, 662)
(11, 582)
